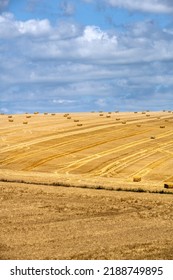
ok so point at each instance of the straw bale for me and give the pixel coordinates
(168, 185)
(136, 179)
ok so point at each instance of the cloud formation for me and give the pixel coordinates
(65, 66)
(151, 6)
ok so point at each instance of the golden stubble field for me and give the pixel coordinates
(86, 186)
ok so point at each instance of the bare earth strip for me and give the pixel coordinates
(67, 190)
(43, 222)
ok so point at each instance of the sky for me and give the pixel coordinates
(86, 55)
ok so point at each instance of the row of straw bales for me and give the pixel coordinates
(167, 185)
(12, 120)
(67, 115)
(46, 113)
(101, 114)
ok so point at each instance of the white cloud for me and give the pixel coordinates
(34, 27)
(152, 6)
(9, 27)
(63, 101)
(148, 6)
(93, 33)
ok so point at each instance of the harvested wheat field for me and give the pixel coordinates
(85, 186)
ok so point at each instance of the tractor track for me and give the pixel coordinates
(124, 162)
(77, 140)
(43, 148)
(90, 158)
(79, 149)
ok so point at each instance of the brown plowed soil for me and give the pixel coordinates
(44, 222)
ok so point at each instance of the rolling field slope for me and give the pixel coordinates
(97, 146)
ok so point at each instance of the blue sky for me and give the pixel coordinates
(83, 55)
